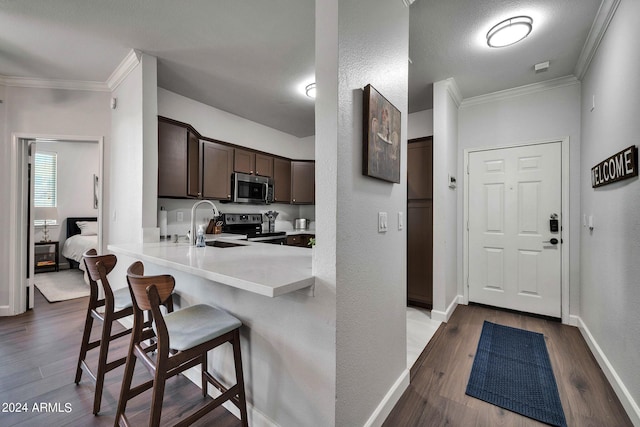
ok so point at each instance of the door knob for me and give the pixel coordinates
(553, 241)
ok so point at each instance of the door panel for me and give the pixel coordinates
(512, 194)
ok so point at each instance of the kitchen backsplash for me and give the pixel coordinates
(179, 213)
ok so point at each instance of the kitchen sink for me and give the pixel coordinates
(219, 244)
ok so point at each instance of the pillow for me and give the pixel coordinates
(88, 228)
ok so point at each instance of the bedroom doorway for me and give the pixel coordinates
(77, 164)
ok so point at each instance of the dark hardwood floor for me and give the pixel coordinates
(38, 356)
(436, 396)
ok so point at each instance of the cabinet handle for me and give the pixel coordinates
(228, 196)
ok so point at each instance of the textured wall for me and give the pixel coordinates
(610, 271)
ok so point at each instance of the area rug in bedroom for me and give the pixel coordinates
(62, 285)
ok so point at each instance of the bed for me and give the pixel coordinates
(80, 238)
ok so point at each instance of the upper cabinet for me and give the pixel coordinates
(303, 184)
(178, 161)
(217, 167)
(189, 167)
(281, 180)
(253, 163)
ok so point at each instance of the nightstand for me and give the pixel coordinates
(47, 257)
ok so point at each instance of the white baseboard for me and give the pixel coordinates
(389, 401)
(630, 406)
(444, 316)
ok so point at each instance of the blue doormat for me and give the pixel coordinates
(512, 370)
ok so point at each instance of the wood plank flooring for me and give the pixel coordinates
(38, 356)
(436, 396)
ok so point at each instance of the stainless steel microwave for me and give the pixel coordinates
(251, 189)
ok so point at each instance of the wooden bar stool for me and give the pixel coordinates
(117, 304)
(183, 337)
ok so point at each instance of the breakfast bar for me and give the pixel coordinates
(287, 315)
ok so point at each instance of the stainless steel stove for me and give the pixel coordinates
(251, 225)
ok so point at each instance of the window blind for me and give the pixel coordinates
(45, 192)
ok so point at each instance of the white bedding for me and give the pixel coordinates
(78, 244)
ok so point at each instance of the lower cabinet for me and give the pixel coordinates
(301, 240)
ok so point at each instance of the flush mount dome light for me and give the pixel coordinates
(509, 31)
(310, 90)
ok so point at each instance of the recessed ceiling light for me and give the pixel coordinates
(509, 31)
(310, 90)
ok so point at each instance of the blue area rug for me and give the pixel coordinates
(512, 370)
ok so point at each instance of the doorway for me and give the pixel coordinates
(515, 241)
(23, 235)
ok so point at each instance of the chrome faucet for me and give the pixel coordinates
(192, 233)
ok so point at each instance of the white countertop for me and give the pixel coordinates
(295, 232)
(261, 268)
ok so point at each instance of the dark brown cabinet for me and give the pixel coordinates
(217, 167)
(303, 187)
(281, 180)
(253, 163)
(301, 240)
(178, 161)
(420, 222)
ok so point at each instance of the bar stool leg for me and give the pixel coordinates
(84, 346)
(127, 378)
(237, 357)
(205, 383)
(102, 362)
(158, 395)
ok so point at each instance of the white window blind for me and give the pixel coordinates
(45, 193)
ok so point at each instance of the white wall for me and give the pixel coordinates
(548, 114)
(43, 112)
(367, 268)
(445, 155)
(610, 271)
(77, 163)
(420, 124)
(217, 124)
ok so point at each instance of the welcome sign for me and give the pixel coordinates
(622, 165)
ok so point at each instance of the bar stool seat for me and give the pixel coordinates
(122, 299)
(197, 324)
(183, 339)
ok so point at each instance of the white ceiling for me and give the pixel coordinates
(251, 57)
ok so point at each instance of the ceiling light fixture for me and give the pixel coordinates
(509, 31)
(310, 90)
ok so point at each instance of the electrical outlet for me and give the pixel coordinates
(180, 216)
(382, 222)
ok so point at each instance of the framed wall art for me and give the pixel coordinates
(381, 137)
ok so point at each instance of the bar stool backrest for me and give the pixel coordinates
(98, 267)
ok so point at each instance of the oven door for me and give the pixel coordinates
(250, 189)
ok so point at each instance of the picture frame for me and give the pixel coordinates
(381, 137)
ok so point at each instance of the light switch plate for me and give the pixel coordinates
(382, 222)
(400, 221)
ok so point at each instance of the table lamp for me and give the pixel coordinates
(46, 214)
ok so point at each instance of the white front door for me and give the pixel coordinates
(514, 256)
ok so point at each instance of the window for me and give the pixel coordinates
(45, 174)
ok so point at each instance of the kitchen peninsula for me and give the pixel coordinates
(269, 270)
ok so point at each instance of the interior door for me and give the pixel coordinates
(515, 239)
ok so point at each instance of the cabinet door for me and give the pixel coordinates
(264, 165)
(217, 167)
(244, 161)
(420, 253)
(178, 165)
(303, 182)
(419, 166)
(281, 180)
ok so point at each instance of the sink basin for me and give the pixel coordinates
(219, 244)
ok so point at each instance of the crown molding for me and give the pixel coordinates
(600, 24)
(127, 65)
(522, 90)
(454, 91)
(53, 84)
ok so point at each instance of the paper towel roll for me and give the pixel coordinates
(162, 222)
